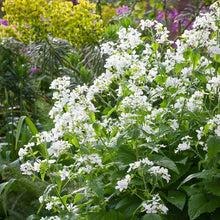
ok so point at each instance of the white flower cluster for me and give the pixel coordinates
(215, 124)
(58, 147)
(214, 85)
(26, 150)
(185, 145)
(161, 171)
(154, 205)
(28, 168)
(123, 184)
(153, 89)
(137, 164)
(89, 162)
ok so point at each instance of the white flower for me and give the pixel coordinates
(200, 133)
(123, 184)
(134, 165)
(174, 124)
(49, 205)
(146, 23)
(58, 147)
(196, 101)
(37, 166)
(146, 161)
(86, 169)
(183, 146)
(157, 170)
(26, 168)
(154, 206)
(63, 174)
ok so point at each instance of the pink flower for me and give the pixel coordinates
(122, 10)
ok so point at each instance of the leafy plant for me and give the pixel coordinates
(141, 141)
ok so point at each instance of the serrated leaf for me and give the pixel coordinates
(202, 203)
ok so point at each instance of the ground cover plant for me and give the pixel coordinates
(142, 141)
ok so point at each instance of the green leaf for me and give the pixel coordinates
(126, 155)
(155, 46)
(64, 198)
(111, 111)
(77, 198)
(97, 187)
(128, 205)
(111, 215)
(92, 117)
(6, 186)
(202, 203)
(151, 217)
(165, 162)
(33, 217)
(213, 144)
(213, 187)
(176, 198)
(195, 57)
(34, 131)
(205, 174)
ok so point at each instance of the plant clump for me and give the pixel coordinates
(31, 20)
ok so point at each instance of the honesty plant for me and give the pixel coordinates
(121, 146)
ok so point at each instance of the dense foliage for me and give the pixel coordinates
(76, 23)
(133, 137)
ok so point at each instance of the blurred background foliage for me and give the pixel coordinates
(49, 42)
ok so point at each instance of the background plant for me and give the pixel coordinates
(81, 25)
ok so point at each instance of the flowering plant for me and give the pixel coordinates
(32, 20)
(127, 146)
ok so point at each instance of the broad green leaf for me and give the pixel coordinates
(128, 205)
(151, 217)
(205, 174)
(155, 46)
(126, 155)
(213, 144)
(202, 203)
(165, 162)
(97, 187)
(183, 161)
(110, 215)
(213, 187)
(176, 198)
(92, 117)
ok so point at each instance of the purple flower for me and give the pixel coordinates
(33, 70)
(3, 22)
(122, 10)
